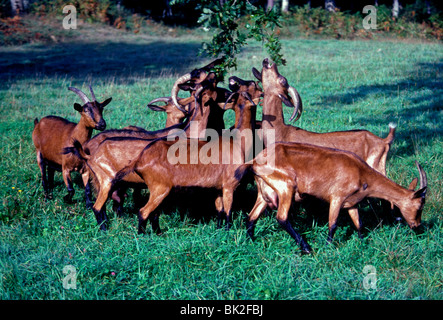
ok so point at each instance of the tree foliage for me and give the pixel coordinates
(230, 35)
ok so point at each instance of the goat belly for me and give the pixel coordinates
(196, 175)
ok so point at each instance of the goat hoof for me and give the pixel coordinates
(49, 196)
(68, 199)
(306, 249)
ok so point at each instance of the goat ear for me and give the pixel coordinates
(420, 193)
(413, 184)
(78, 107)
(286, 101)
(106, 102)
(256, 74)
(154, 107)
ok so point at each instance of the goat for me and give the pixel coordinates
(52, 134)
(155, 166)
(338, 177)
(366, 145)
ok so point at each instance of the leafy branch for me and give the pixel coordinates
(230, 37)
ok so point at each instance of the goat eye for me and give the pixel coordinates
(283, 81)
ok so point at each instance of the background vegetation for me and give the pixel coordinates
(39, 20)
(344, 85)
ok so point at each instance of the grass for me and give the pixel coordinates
(344, 85)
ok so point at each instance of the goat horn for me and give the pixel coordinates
(80, 94)
(298, 105)
(227, 100)
(247, 96)
(423, 178)
(196, 96)
(92, 93)
(161, 99)
(176, 89)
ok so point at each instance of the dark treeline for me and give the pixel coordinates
(187, 12)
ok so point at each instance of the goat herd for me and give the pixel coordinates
(341, 168)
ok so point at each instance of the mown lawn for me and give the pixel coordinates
(344, 85)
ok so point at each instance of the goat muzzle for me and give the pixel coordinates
(101, 125)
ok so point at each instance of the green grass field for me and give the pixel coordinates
(344, 85)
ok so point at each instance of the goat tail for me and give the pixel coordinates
(391, 135)
(77, 150)
(242, 170)
(35, 121)
(124, 172)
(120, 175)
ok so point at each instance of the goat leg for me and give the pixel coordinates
(118, 197)
(101, 217)
(88, 191)
(158, 193)
(259, 207)
(353, 213)
(334, 210)
(137, 198)
(68, 182)
(43, 169)
(250, 228)
(304, 246)
(154, 218)
(88, 196)
(220, 211)
(285, 199)
(50, 180)
(228, 194)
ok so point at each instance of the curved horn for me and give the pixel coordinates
(293, 93)
(80, 94)
(196, 96)
(161, 99)
(227, 100)
(247, 96)
(92, 93)
(423, 178)
(176, 89)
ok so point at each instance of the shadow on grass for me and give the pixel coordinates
(421, 109)
(127, 62)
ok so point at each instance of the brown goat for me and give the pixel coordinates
(202, 164)
(335, 176)
(52, 134)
